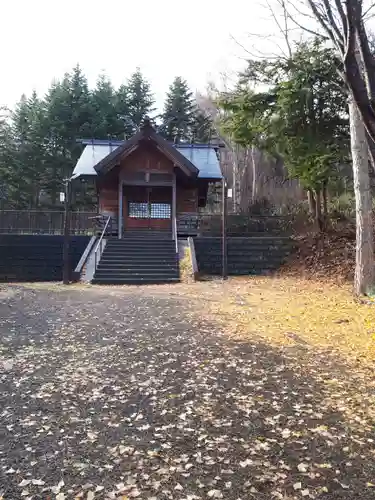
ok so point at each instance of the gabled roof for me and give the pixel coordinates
(147, 134)
(99, 156)
(204, 157)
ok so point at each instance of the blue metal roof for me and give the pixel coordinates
(202, 156)
(100, 142)
(205, 159)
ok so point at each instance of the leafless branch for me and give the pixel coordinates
(305, 29)
(367, 11)
(322, 20)
(358, 70)
(240, 45)
(332, 21)
(300, 12)
(283, 29)
(341, 12)
(255, 54)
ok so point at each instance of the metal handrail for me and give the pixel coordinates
(175, 232)
(99, 246)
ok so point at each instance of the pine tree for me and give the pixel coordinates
(106, 122)
(21, 169)
(201, 129)
(40, 149)
(140, 101)
(57, 111)
(70, 111)
(9, 192)
(70, 116)
(126, 127)
(20, 118)
(29, 154)
(80, 121)
(178, 115)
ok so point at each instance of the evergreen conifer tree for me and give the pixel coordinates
(105, 122)
(140, 100)
(178, 115)
(29, 126)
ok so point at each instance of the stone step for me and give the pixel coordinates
(138, 259)
(172, 256)
(141, 241)
(134, 281)
(135, 272)
(138, 265)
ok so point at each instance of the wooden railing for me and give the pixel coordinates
(44, 222)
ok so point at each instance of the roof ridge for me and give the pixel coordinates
(118, 142)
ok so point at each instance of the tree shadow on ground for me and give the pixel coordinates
(131, 394)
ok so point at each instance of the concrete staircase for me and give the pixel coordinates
(138, 259)
(254, 255)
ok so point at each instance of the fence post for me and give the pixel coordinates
(224, 230)
(66, 245)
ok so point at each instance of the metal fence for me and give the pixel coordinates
(236, 224)
(246, 225)
(44, 222)
(190, 224)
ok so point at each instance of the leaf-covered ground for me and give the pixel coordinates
(141, 393)
(293, 311)
(329, 255)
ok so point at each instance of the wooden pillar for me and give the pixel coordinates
(120, 208)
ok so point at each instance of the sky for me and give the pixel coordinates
(41, 40)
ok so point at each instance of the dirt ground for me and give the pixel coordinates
(191, 391)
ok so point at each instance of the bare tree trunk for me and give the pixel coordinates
(325, 206)
(318, 210)
(371, 151)
(234, 182)
(325, 201)
(364, 268)
(236, 179)
(254, 191)
(312, 202)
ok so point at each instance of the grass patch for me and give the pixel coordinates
(186, 268)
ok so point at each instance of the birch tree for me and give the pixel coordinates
(343, 21)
